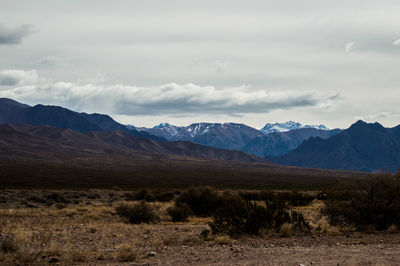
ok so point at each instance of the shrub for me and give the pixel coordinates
(238, 216)
(179, 212)
(145, 195)
(137, 213)
(293, 198)
(203, 201)
(57, 197)
(375, 203)
(9, 244)
(165, 196)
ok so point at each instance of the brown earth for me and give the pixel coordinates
(89, 232)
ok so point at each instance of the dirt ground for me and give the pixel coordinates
(91, 234)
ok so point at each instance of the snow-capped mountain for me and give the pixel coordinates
(234, 136)
(226, 135)
(288, 126)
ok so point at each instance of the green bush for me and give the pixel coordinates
(374, 203)
(203, 201)
(137, 213)
(179, 212)
(238, 216)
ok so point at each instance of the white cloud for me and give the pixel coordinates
(172, 98)
(396, 43)
(349, 47)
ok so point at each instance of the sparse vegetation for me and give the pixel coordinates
(292, 198)
(137, 213)
(126, 253)
(9, 244)
(373, 204)
(179, 212)
(85, 227)
(238, 216)
(203, 201)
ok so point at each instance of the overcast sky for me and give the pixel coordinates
(253, 62)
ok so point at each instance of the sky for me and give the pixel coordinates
(181, 62)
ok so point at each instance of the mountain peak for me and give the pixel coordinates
(163, 125)
(360, 124)
(11, 102)
(287, 126)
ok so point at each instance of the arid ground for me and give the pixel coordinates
(81, 228)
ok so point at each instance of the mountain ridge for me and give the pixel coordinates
(362, 147)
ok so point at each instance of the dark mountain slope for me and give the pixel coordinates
(53, 158)
(362, 147)
(12, 112)
(279, 143)
(46, 142)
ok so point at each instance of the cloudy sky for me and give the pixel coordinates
(146, 61)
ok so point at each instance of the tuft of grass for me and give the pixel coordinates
(126, 253)
(286, 229)
(223, 239)
(13, 242)
(392, 229)
(77, 255)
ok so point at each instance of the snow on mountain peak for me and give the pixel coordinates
(162, 125)
(287, 126)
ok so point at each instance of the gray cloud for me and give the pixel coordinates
(15, 35)
(220, 66)
(276, 46)
(17, 77)
(51, 61)
(173, 99)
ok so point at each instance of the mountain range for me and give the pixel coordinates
(277, 140)
(287, 126)
(45, 142)
(364, 147)
(51, 132)
(12, 112)
(49, 157)
(230, 136)
(279, 143)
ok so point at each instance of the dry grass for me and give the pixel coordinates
(223, 240)
(92, 233)
(286, 230)
(126, 253)
(84, 233)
